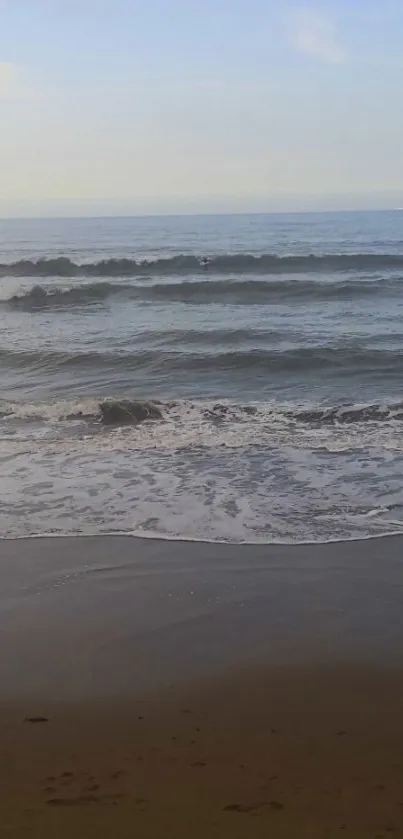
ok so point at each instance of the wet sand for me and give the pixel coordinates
(156, 689)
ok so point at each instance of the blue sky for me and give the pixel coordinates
(128, 106)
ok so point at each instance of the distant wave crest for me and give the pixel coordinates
(202, 292)
(342, 360)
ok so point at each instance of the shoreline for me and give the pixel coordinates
(155, 537)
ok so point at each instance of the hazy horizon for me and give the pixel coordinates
(224, 213)
(165, 108)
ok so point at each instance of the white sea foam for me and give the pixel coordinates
(235, 484)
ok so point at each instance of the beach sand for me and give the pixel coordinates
(154, 689)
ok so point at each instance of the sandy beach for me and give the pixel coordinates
(157, 689)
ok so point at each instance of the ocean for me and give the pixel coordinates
(230, 378)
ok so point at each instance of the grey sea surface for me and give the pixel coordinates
(229, 378)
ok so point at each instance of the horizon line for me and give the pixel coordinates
(201, 214)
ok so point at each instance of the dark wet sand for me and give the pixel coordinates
(155, 689)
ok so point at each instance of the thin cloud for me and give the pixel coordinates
(315, 34)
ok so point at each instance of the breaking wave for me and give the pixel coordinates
(240, 263)
(120, 412)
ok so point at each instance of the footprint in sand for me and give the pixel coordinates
(84, 800)
(250, 808)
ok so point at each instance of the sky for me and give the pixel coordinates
(115, 107)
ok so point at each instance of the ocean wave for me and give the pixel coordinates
(39, 297)
(346, 360)
(125, 411)
(350, 414)
(239, 263)
(238, 292)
